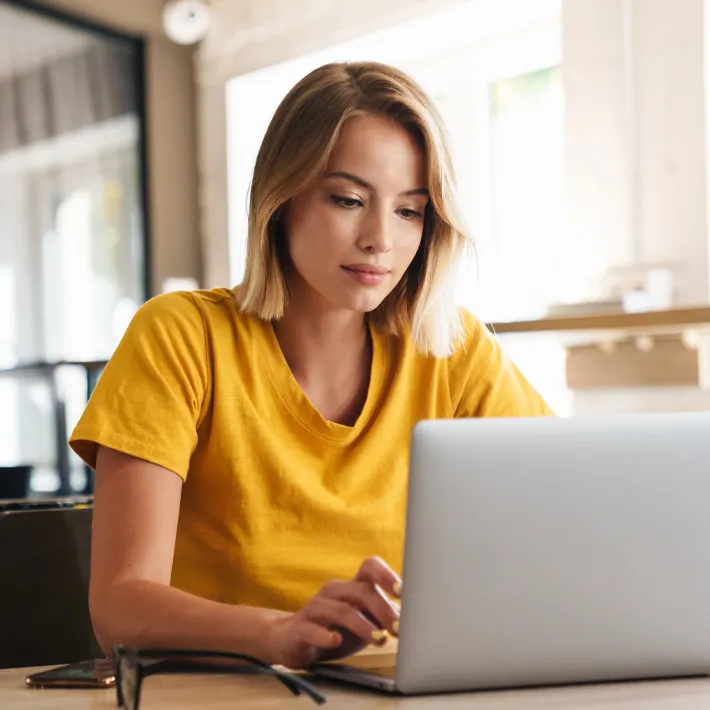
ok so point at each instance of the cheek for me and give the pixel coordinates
(408, 247)
(320, 229)
(337, 225)
(303, 232)
(317, 238)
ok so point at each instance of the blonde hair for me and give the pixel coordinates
(294, 153)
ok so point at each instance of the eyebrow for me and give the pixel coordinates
(363, 183)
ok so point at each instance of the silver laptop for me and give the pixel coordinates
(552, 551)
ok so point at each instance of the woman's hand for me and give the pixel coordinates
(341, 619)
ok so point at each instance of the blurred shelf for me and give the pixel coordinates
(672, 320)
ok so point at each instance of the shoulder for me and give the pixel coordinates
(179, 326)
(472, 339)
(473, 329)
(478, 353)
(474, 349)
(184, 312)
(489, 382)
(185, 304)
(475, 342)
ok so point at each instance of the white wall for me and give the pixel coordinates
(635, 139)
(636, 158)
(671, 132)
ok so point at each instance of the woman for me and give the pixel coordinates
(251, 446)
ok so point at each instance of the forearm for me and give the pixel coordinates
(145, 614)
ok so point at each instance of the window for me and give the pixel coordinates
(525, 270)
(72, 219)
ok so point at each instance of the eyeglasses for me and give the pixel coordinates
(132, 665)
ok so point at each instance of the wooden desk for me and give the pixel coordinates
(224, 692)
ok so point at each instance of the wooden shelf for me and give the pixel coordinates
(673, 319)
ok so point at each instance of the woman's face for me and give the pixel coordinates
(352, 235)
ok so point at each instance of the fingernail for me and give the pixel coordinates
(397, 589)
(395, 627)
(379, 635)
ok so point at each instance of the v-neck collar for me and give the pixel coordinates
(300, 407)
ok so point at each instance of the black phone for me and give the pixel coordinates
(96, 673)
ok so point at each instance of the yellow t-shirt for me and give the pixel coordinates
(276, 499)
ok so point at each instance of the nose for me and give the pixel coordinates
(376, 233)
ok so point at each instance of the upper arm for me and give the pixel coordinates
(155, 390)
(136, 508)
(139, 430)
(486, 382)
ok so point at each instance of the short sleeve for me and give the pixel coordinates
(150, 397)
(484, 382)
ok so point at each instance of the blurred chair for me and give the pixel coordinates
(14, 481)
(44, 587)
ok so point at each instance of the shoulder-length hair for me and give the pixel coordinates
(293, 155)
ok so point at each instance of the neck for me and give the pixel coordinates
(329, 353)
(321, 343)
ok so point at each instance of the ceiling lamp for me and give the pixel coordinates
(186, 21)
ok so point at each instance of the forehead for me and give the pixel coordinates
(380, 151)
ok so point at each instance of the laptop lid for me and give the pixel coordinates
(545, 551)
(44, 587)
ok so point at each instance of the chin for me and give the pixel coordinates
(363, 303)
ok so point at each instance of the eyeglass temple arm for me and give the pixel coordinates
(294, 683)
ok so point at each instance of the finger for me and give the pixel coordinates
(334, 613)
(377, 571)
(371, 601)
(314, 634)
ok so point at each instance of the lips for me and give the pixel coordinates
(366, 274)
(367, 268)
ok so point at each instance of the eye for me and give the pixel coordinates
(347, 203)
(410, 214)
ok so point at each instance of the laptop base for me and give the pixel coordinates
(382, 679)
